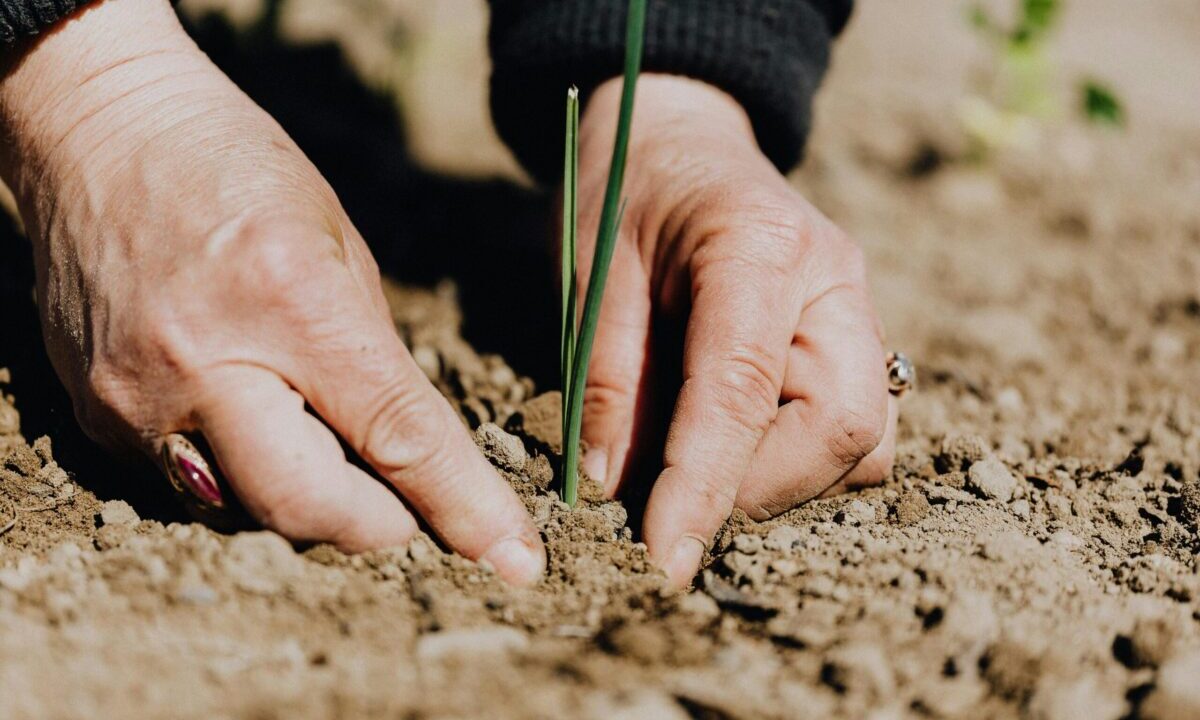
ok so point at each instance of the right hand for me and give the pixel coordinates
(195, 273)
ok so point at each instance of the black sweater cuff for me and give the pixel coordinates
(28, 17)
(770, 55)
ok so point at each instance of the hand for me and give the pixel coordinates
(195, 272)
(784, 391)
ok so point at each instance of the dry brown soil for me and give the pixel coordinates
(1034, 555)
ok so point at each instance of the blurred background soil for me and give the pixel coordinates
(1034, 555)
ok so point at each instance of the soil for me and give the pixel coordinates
(1034, 554)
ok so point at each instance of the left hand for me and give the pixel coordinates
(784, 392)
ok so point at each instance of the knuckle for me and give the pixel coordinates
(273, 264)
(710, 492)
(780, 230)
(602, 397)
(852, 433)
(747, 386)
(406, 435)
(164, 342)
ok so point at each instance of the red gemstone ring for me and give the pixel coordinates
(190, 473)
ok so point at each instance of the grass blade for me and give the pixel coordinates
(606, 240)
(570, 221)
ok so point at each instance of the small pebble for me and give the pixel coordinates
(699, 605)
(782, 538)
(1009, 402)
(785, 567)
(44, 449)
(633, 704)
(195, 594)
(1176, 693)
(39, 489)
(10, 419)
(427, 359)
(737, 563)
(959, 452)
(261, 563)
(539, 471)
(421, 550)
(991, 479)
(53, 475)
(1066, 539)
(912, 508)
(118, 512)
(502, 376)
(860, 668)
(470, 643)
(504, 449)
(1152, 641)
(858, 513)
(1086, 698)
(748, 544)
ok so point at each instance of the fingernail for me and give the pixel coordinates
(517, 560)
(595, 464)
(684, 560)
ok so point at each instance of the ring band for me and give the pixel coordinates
(189, 472)
(902, 374)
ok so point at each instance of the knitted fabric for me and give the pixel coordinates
(770, 55)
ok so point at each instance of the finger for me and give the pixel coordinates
(735, 353)
(616, 394)
(877, 466)
(289, 470)
(367, 386)
(837, 406)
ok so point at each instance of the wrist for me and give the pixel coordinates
(66, 77)
(672, 106)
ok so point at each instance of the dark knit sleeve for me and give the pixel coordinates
(768, 54)
(27, 17)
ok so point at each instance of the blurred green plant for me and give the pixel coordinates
(1101, 105)
(1018, 95)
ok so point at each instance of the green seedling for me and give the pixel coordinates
(1017, 95)
(577, 339)
(1100, 105)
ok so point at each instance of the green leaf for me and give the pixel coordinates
(1037, 19)
(606, 240)
(570, 221)
(1101, 105)
(1039, 15)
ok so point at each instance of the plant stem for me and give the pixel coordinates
(606, 240)
(570, 220)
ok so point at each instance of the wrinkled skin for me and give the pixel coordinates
(195, 273)
(784, 391)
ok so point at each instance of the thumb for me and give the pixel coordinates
(615, 394)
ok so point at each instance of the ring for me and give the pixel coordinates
(190, 473)
(902, 374)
